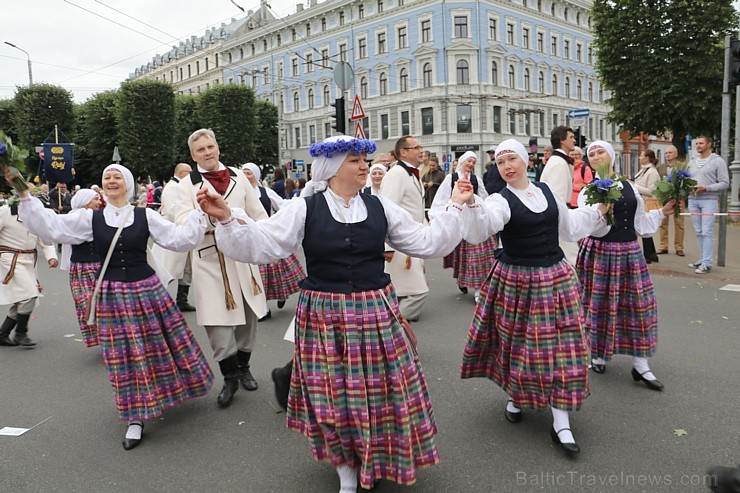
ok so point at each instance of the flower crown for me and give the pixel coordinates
(351, 146)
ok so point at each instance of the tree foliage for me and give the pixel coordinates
(186, 122)
(230, 111)
(97, 135)
(7, 118)
(145, 115)
(662, 62)
(37, 109)
(267, 134)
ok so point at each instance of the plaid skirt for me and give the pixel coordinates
(82, 283)
(358, 391)
(619, 305)
(451, 261)
(281, 278)
(527, 336)
(473, 262)
(152, 358)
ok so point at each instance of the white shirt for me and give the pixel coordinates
(282, 234)
(646, 223)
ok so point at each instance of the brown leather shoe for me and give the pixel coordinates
(680, 253)
(662, 252)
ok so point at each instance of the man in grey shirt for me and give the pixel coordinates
(710, 172)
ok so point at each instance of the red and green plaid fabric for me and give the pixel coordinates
(82, 283)
(281, 278)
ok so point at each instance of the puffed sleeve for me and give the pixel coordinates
(72, 229)
(646, 223)
(177, 237)
(574, 224)
(489, 217)
(263, 242)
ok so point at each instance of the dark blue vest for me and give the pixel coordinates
(624, 217)
(344, 258)
(531, 238)
(368, 190)
(128, 261)
(84, 253)
(265, 201)
(473, 181)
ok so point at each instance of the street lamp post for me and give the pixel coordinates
(30, 72)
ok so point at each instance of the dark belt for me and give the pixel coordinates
(16, 252)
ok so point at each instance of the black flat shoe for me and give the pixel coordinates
(600, 369)
(129, 443)
(281, 303)
(226, 396)
(268, 315)
(281, 379)
(512, 417)
(651, 384)
(463, 289)
(569, 448)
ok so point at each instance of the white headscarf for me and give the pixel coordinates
(255, 171)
(379, 166)
(324, 168)
(604, 145)
(465, 156)
(127, 177)
(82, 197)
(510, 146)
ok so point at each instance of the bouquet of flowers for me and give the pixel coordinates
(604, 190)
(677, 186)
(13, 158)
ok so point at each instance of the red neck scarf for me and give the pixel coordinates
(219, 179)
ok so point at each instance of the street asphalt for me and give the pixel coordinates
(632, 439)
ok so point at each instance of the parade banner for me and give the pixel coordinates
(59, 161)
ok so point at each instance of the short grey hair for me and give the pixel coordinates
(201, 133)
(549, 148)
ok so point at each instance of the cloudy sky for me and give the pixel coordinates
(73, 47)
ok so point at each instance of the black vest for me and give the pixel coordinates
(473, 181)
(368, 190)
(344, 258)
(128, 261)
(84, 253)
(265, 201)
(624, 217)
(531, 238)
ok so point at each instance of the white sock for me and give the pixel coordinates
(134, 430)
(477, 292)
(511, 407)
(598, 361)
(641, 365)
(347, 479)
(561, 421)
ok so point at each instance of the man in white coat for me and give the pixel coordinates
(178, 264)
(229, 295)
(403, 186)
(558, 173)
(19, 286)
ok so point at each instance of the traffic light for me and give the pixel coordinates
(340, 125)
(734, 61)
(580, 139)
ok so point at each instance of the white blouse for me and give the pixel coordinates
(442, 198)
(573, 224)
(282, 234)
(76, 227)
(276, 200)
(646, 223)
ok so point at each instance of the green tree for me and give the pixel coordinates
(145, 115)
(662, 61)
(97, 135)
(186, 122)
(7, 118)
(230, 111)
(37, 109)
(266, 151)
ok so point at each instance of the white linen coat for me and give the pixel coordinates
(404, 189)
(13, 234)
(208, 283)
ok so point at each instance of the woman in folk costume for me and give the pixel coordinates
(357, 390)
(280, 278)
(618, 298)
(83, 263)
(471, 263)
(377, 172)
(527, 335)
(151, 356)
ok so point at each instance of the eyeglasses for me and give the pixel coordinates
(415, 148)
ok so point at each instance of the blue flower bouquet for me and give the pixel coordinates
(607, 189)
(677, 186)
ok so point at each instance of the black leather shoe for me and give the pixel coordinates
(463, 289)
(651, 384)
(231, 385)
(7, 341)
(281, 303)
(23, 341)
(281, 378)
(268, 315)
(569, 448)
(512, 417)
(186, 307)
(129, 443)
(600, 369)
(247, 380)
